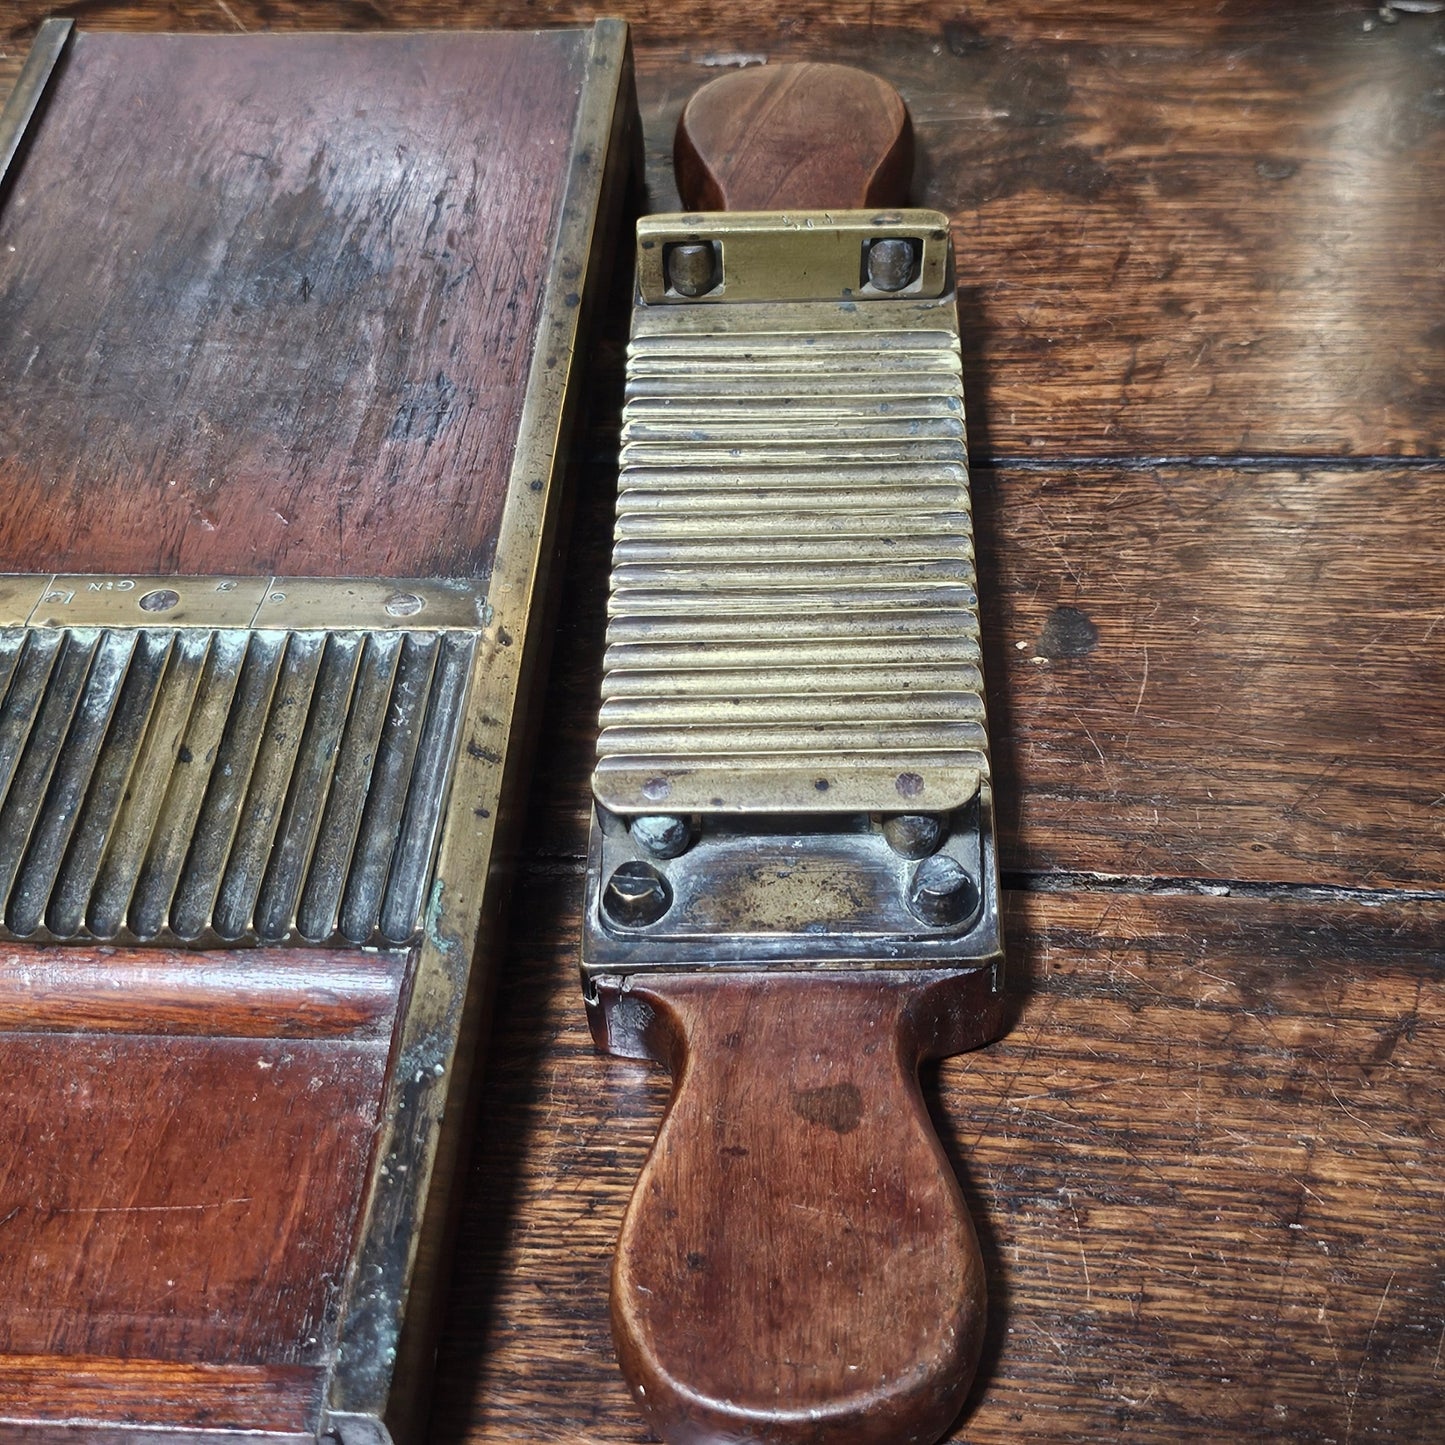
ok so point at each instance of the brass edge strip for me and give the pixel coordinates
(24, 101)
(278, 604)
(405, 1216)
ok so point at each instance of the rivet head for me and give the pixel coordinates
(692, 267)
(636, 895)
(913, 835)
(892, 264)
(403, 604)
(161, 600)
(662, 834)
(942, 892)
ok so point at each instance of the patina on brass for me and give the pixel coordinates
(797, 256)
(226, 760)
(792, 765)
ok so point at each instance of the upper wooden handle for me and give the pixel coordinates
(794, 137)
(797, 1265)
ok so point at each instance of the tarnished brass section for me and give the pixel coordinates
(19, 596)
(793, 620)
(270, 602)
(217, 786)
(89, 601)
(802, 255)
(25, 99)
(325, 602)
(792, 765)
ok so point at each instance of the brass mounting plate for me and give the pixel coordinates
(797, 256)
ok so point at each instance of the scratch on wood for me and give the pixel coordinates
(1364, 1360)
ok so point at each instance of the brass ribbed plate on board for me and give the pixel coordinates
(204, 785)
(793, 621)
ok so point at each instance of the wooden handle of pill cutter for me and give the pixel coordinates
(794, 137)
(797, 1265)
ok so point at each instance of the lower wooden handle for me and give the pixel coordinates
(797, 1263)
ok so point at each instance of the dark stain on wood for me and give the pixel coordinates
(838, 1107)
(1266, 699)
(1178, 1153)
(1067, 632)
(796, 1263)
(1206, 1160)
(223, 354)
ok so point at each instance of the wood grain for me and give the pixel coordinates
(1205, 1164)
(1168, 240)
(1224, 673)
(223, 355)
(797, 1265)
(249, 993)
(67, 1389)
(794, 137)
(182, 1199)
(1229, 673)
(1182, 231)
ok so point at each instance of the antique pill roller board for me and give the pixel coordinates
(793, 894)
(286, 330)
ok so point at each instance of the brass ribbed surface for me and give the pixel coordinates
(223, 785)
(793, 623)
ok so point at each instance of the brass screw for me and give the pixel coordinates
(892, 264)
(636, 895)
(942, 893)
(692, 268)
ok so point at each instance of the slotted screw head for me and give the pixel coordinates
(636, 894)
(942, 892)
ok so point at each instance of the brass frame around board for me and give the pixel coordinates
(386, 1330)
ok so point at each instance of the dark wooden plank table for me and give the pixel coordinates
(1202, 252)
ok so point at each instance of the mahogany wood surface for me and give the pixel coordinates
(794, 137)
(164, 1206)
(282, 1400)
(1201, 248)
(290, 378)
(182, 1180)
(797, 1263)
(250, 993)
